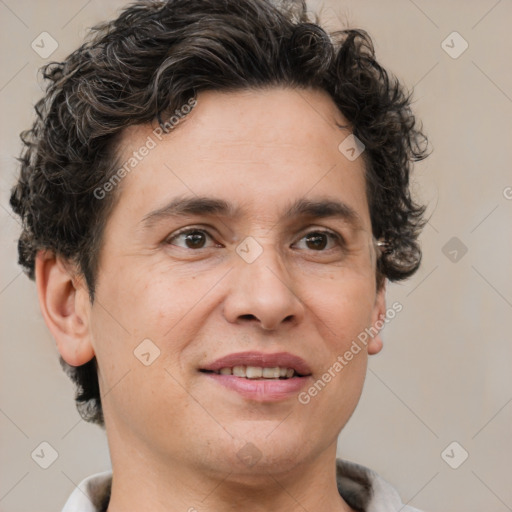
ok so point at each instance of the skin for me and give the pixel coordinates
(174, 434)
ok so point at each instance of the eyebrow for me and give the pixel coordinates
(189, 206)
(323, 208)
(210, 206)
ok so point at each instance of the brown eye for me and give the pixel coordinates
(190, 239)
(320, 240)
(195, 240)
(317, 241)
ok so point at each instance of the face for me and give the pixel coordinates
(241, 239)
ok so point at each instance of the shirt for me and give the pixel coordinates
(363, 490)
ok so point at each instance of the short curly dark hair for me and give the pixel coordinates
(153, 58)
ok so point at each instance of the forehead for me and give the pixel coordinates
(258, 148)
(267, 115)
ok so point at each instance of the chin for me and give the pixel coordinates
(258, 452)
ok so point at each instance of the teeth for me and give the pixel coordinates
(257, 372)
(254, 372)
(271, 373)
(239, 371)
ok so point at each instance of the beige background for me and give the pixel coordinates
(445, 373)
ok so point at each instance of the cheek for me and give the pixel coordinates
(343, 307)
(145, 301)
(138, 355)
(165, 307)
(342, 311)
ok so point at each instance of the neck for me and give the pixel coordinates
(141, 483)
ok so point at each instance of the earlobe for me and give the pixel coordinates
(64, 304)
(378, 315)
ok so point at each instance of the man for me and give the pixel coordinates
(213, 196)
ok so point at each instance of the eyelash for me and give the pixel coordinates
(331, 234)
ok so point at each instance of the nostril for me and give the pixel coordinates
(248, 317)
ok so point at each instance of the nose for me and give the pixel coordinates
(263, 293)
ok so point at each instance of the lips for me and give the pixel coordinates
(270, 388)
(262, 360)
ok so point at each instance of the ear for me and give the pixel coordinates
(378, 316)
(64, 302)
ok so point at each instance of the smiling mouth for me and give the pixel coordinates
(257, 372)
